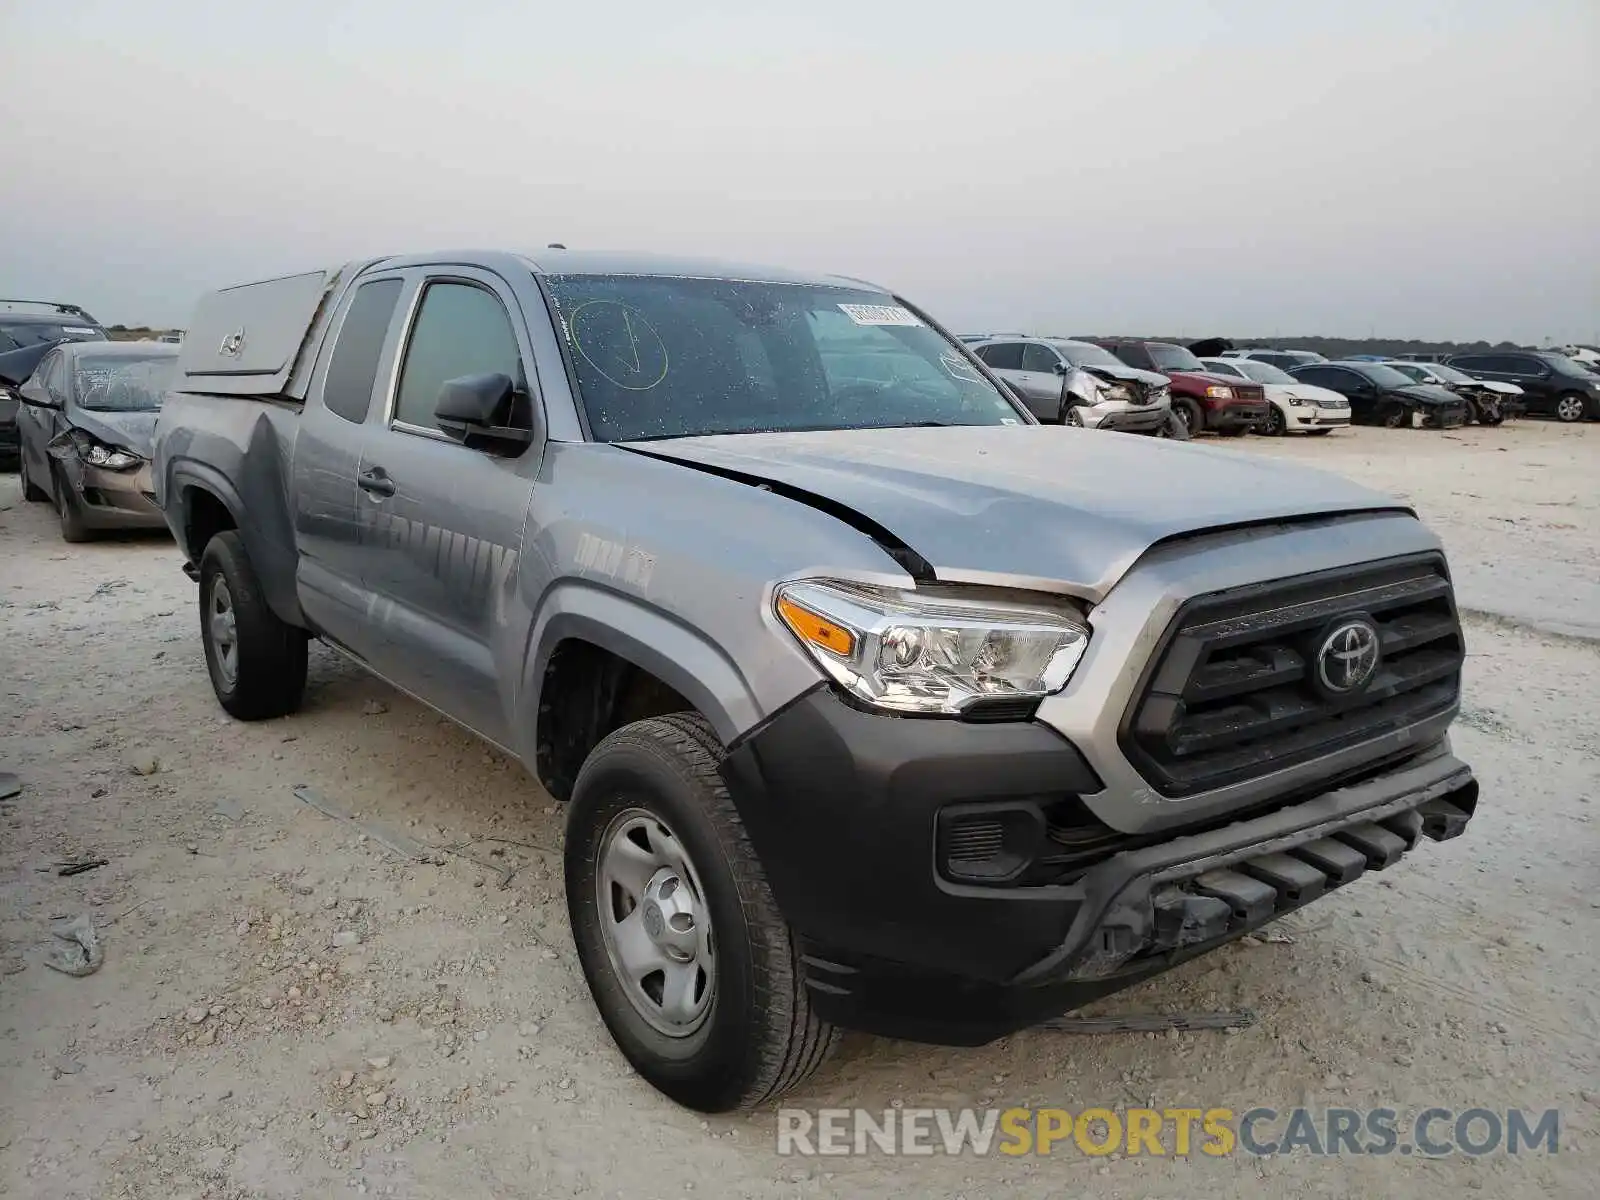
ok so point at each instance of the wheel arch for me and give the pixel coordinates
(597, 660)
(205, 503)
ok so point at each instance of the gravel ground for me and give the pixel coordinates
(288, 1010)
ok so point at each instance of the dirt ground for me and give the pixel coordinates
(287, 1010)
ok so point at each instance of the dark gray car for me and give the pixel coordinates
(85, 424)
(874, 702)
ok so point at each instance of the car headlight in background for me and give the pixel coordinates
(93, 452)
(1219, 392)
(932, 650)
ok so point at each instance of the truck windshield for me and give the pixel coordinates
(666, 356)
(1174, 358)
(16, 334)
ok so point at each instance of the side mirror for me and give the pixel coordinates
(1062, 368)
(479, 411)
(34, 394)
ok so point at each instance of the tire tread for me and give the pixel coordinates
(795, 1041)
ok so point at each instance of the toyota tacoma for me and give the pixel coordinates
(873, 703)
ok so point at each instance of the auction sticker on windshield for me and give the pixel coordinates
(880, 314)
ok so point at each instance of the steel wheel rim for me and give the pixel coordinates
(1275, 422)
(224, 626)
(655, 924)
(1074, 418)
(1569, 409)
(1182, 413)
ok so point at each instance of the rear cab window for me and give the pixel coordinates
(347, 390)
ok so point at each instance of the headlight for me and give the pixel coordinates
(932, 650)
(97, 454)
(1219, 392)
(1300, 401)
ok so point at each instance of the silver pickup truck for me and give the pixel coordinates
(873, 702)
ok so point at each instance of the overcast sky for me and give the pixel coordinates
(1423, 168)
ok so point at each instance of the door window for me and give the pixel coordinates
(460, 329)
(1039, 358)
(347, 390)
(1002, 356)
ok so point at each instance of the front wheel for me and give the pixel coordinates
(1275, 425)
(1072, 416)
(694, 971)
(73, 527)
(1173, 427)
(1395, 416)
(31, 491)
(1190, 415)
(257, 662)
(1570, 407)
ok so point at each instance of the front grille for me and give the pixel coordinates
(1232, 692)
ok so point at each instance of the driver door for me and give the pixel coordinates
(442, 525)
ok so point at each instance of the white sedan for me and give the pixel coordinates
(1296, 407)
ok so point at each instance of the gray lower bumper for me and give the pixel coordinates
(1181, 896)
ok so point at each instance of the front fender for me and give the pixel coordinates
(679, 656)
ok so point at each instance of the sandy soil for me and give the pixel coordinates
(285, 1010)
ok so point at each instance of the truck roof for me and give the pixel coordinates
(554, 261)
(262, 338)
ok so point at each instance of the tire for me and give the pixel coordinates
(745, 1032)
(73, 527)
(1571, 407)
(1072, 417)
(1189, 413)
(261, 673)
(1173, 428)
(1275, 425)
(1395, 417)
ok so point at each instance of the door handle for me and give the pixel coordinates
(375, 482)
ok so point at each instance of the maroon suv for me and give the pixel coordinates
(1202, 400)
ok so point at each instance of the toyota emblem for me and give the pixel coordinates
(1348, 657)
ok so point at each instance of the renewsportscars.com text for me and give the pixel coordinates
(1166, 1132)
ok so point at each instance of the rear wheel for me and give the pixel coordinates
(256, 661)
(694, 971)
(1570, 407)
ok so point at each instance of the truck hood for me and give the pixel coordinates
(1204, 379)
(1041, 507)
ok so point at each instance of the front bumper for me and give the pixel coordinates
(117, 499)
(1122, 417)
(845, 809)
(1302, 417)
(1237, 414)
